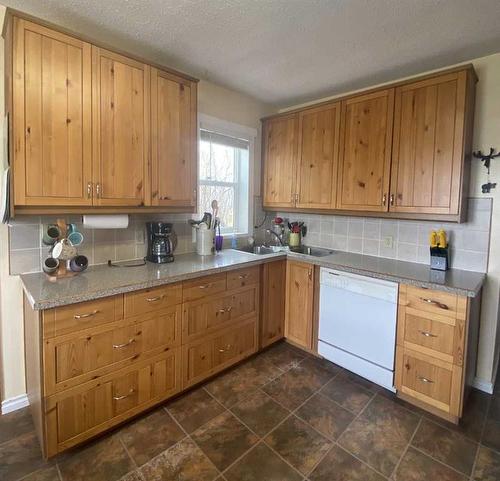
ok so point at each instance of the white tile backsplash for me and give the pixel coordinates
(469, 242)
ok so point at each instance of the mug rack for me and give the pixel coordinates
(62, 271)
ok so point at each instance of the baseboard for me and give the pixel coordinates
(14, 403)
(484, 386)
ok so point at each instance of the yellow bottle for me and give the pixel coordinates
(442, 239)
(433, 239)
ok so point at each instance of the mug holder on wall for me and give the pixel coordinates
(487, 158)
(62, 271)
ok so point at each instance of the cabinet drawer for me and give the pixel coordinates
(436, 302)
(75, 317)
(154, 299)
(83, 412)
(75, 359)
(203, 287)
(207, 315)
(429, 380)
(204, 358)
(243, 277)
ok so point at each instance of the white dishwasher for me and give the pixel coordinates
(357, 324)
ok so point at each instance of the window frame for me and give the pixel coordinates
(230, 129)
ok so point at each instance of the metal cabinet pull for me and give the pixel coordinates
(436, 303)
(154, 299)
(205, 286)
(84, 316)
(119, 398)
(89, 190)
(228, 348)
(424, 379)
(98, 190)
(227, 309)
(126, 344)
(427, 334)
(391, 199)
(243, 276)
(384, 199)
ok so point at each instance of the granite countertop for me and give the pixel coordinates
(102, 281)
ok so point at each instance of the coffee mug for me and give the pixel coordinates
(50, 265)
(63, 250)
(50, 234)
(75, 238)
(79, 263)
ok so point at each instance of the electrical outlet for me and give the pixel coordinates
(388, 241)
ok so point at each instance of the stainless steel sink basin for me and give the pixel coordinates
(259, 249)
(312, 251)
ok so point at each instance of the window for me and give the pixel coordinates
(225, 160)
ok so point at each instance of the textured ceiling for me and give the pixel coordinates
(286, 51)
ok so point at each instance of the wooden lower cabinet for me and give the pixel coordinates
(273, 291)
(299, 303)
(80, 413)
(437, 335)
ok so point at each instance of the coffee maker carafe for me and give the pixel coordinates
(162, 242)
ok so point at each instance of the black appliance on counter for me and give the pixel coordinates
(162, 241)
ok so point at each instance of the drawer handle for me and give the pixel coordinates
(154, 299)
(427, 334)
(119, 398)
(121, 346)
(243, 276)
(227, 309)
(228, 348)
(424, 379)
(436, 303)
(84, 316)
(205, 286)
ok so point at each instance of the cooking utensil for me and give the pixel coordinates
(215, 210)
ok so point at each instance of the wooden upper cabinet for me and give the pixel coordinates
(173, 140)
(365, 151)
(121, 102)
(428, 147)
(319, 131)
(299, 303)
(280, 150)
(51, 117)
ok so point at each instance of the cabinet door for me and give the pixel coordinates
(299, 303)
(365, 152)
(173, 140)
(120, 129)
(273, 302)
(319, 131)
(428, 148)
(51, 117)
(280, 161)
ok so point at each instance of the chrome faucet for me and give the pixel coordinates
(278, 236)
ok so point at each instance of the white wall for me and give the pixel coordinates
(486, 135)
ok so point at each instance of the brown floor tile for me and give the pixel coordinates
(348, 394)
(380, 434)
(283, 356)
(150, 435)
(103, 460)
(132, 476)
(296, 385)
(14, 424)
(446, 446)
(487, 466)
(260, 413)
(298, 443)
(326, 365)
(20, 456)
(261, 464)
(183, 462)
(491, 434)
(194, 409)
(224, 439)
(416, 466)
(494, 411)
(325, 415)
(259, 370)
(338, 465)
(232, 387)
(361, 381)
(49, 473)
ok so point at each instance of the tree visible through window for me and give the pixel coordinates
(224, 176)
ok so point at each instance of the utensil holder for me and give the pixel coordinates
(204, 242)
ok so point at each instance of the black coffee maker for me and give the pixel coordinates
(162, 242)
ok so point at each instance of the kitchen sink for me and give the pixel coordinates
(312, 251)
(260, 249)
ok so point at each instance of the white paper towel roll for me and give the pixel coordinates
(105, 221)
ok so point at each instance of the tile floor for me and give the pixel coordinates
(280, 416)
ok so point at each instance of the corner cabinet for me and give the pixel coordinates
(401, 151)
(92, 129)
(51, 117)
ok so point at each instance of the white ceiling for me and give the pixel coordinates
(287, 51)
